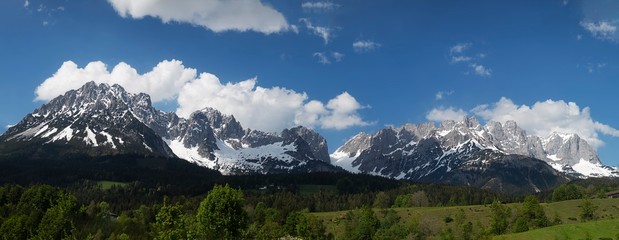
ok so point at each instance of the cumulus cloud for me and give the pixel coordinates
(319, 6)
(543, 118)
(365, 46)
(323, 32)
(163, 82)
(601, 30)
(540, 119)
(442, 114)
(284, 107)
(342, 113)
(270, 109)
(442, 94)
(215, 15)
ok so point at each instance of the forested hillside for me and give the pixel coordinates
(307, 206)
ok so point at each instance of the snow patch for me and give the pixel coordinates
(229, 160)
(344, 160)
(66, 133)
(110, 139)
(189, 154)
(91, 137)
(591, 169)
(43, 129)
(29, 133)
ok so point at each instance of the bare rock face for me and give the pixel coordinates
(570, 149)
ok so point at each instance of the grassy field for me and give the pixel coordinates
(433, 218)
(605, 229)
(105, 185)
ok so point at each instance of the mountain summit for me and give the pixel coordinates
(94, 119)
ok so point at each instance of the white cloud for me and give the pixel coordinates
(270, 109)
(322, 57)
(600, 19)
(601, 29)
(457, 59)
(338, 56)
(546, 117)
(441, 114)
(45, 11)
(458, 55)
(481, 70)
(540, 119)
(442, 94)
(365, 46)
(216, 15)
(593, 67)
(9, 126)
(342, 113)
(319, 6)
(323, 32)
(163, 82)
(310, 114)
(326, 58)
(460, 48)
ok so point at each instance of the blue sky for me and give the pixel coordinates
(338, 66)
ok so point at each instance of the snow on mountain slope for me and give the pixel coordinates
(588, 168)
(229, 160)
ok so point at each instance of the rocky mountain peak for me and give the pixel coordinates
(447, 124)
(224, 126)
(357, 143)
(96, 119)
(470, 122)
(317, 143)
(569, 148)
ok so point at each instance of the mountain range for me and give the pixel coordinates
(429, 148)
(103, 120)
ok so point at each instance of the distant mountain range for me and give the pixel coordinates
(102, 120)
(420, 150)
